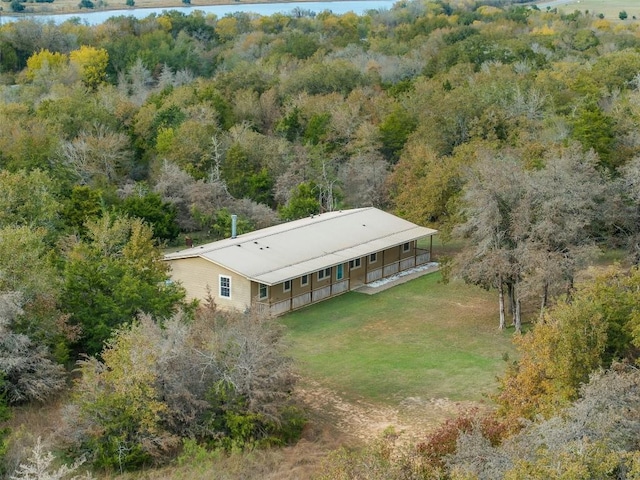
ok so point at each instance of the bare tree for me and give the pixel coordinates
(529, 231)
(494, 189)
(628, 219)
(563, 201)
(39, 466)
(98, 156)
(363, 179)
(28, 371)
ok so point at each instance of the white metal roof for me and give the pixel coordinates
(283, 252)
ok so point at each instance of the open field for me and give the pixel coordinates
(609, 8)
(71, 6)
(415, 342)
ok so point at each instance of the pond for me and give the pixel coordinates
(264, 9)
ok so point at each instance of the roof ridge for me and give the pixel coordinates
(201, 250)
(333, 251)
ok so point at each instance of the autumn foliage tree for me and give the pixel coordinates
(572, 340)
(91, 63)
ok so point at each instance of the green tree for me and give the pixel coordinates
(27, 266)
(115, 273)
(82, 205)
(245, 177)
(26, 367)
(623, 15)
(220, 378)
(5, 414)
(28, 199)
(17, 6)
(303, 202)
(220, 225)
(594, 129)
(394, 132)
(161, 216)
(423, 184)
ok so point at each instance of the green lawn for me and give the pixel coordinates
(420, 339)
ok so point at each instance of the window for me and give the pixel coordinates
(326, 273)
(355, 263)
(373, 258)
(286, 286)
(304, 280)
(339, 272)
(406, 247)
(263, 291)
(225, 286)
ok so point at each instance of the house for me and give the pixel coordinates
(288, 266)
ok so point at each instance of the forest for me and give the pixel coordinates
(512, 130)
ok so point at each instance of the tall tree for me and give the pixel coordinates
(491, 197)
(564, 200)
(115, 273)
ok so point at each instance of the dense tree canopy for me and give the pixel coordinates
(514, 128)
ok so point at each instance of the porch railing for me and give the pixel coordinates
(422, 256)
(299, 301)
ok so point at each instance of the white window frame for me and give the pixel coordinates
(221, 287)
(406, 247)
(373, 258)
(326, 273)
(266, 291)
(304, 280)
(355, 263)
(284, 286)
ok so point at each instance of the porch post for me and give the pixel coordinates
(430, 246)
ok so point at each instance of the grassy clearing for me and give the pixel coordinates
(421, 339)
(609, 8)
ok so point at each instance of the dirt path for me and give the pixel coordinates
(361, 422)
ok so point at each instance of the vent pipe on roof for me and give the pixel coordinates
(234, 223)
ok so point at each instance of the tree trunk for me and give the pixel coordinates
(517, 322)
(545, 298)
(570, 289)
(501, 299)
(511, 298)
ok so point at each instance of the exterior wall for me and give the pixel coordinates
(410, 253)
(391, 255)
(357, 274)
(277, 293)
(196, 274)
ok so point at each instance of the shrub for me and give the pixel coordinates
(220, 379)
(17, 6)
(39, 467)
(444, 440)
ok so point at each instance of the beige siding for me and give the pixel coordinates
(410, 253)
(196, 274)
(357, 274)
(391, 255)
(277, 293)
